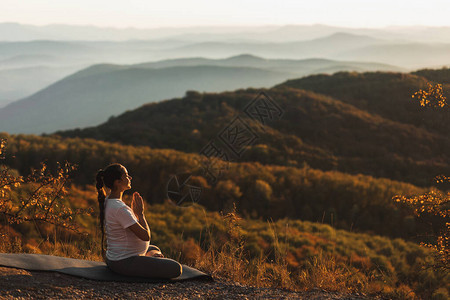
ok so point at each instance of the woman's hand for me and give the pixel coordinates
(140, 229)
(137, 204)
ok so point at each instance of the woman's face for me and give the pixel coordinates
(124, 183)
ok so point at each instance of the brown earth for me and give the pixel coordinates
(22, 284)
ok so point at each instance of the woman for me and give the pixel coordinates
(127, 233)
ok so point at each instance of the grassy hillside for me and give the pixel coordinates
(287, 253)
(353, 202)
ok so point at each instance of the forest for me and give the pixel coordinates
(351, 122)
(309, 203)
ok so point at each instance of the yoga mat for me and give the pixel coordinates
(85, 268)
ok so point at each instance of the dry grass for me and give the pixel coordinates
(323, 272)
(229, 261)
(54, 244)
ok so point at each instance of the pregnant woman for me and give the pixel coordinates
(127, 233)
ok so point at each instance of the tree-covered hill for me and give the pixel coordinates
(324, 132)
(385, 94)
(437, 75)
(356, 202)
(90, 96)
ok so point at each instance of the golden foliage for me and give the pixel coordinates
(433, 97)
(435, 202)
(41, 198)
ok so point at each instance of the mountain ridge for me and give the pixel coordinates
(349, 139)
(140, 84)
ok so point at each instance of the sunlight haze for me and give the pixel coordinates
(176, 13)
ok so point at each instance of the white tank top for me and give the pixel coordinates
(120, 240)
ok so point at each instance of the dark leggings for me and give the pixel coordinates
(146, 266)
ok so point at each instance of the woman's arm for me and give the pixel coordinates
(141, 228)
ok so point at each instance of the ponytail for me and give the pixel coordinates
(106, 177)
(101, 204)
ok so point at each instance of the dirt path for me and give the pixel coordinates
(22, 284)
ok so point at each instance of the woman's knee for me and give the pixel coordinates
(175, 269)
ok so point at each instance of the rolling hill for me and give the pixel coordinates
(300, 67)
(384, 94)
(325, 132)
(21, 82)
(357, 202)
(323, 47)
(92, 95)
(61, 46)
(408, 55)
(269, 33)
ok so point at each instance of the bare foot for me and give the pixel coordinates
(154, 253)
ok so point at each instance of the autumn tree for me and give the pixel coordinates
(37, 197)
(435, 203)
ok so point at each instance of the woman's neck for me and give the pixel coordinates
(116, 194)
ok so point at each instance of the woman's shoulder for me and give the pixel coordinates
(115, 203)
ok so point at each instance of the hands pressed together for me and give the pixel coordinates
(137, 205)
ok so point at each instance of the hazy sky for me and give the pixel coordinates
(183, 13)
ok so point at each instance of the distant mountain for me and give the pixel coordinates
(98, 92)
(91, 96)
(409, 55)
(73, 52)
(17, 83)
(21, 61)
(9, 49)
(299, 67)
(323, 47)
(336, 46)
(271, 33)
(22, 32)
(27, 67)
(322, 42)
(322, 131)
